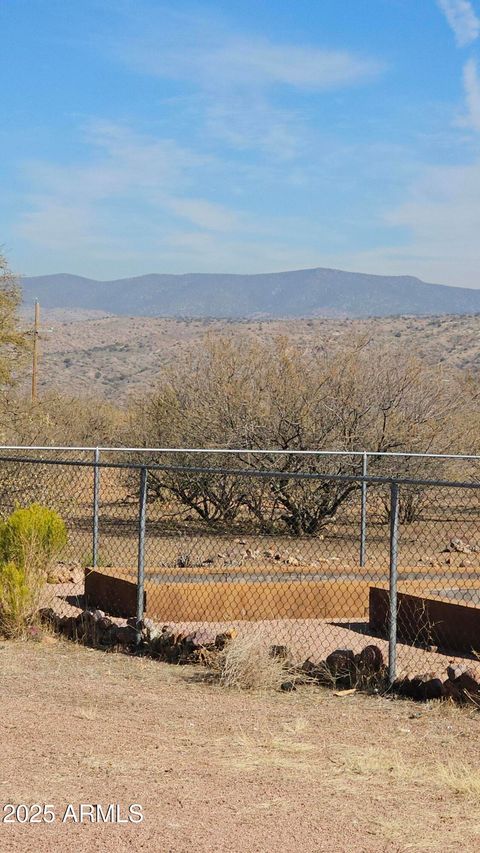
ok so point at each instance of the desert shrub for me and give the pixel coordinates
(247, 664)
(32, 534)
(20, 589)
(29, 540)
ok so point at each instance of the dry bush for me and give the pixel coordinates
(244, 393)
(246, 663)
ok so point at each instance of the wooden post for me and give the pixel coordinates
(36, 334)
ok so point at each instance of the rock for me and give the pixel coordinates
(70, 627)
(98, 614)
(151, 629)
(47, 614)
(279, 652)
(252, 554)
(65, 573)
(459, 546)
(412, 687)
(103, 631)
(287, 686)
(433, 689)
(190, 644)
(341, 666)
(309, 668)
(370, 659)
(454, 671)
(401, 686)
(225, 637)
(340, 659)
(452, 691)
(467, 682)
(124, 635)
(90, 625)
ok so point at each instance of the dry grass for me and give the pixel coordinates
(247, 664)
(463, 779)
(225, 771)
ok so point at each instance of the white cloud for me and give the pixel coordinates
(471, 84)
(236, 79)
(223, 61)
(69, 206)
(462, 19)
(131, 208)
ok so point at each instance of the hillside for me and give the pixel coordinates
(300, 293)
(113, 356)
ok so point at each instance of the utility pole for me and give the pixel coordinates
(36, 335)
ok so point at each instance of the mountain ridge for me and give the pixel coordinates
(316, 292)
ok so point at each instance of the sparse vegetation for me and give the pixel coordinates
(242, 393)
(30, 539)
(34, 529)
(19, 594)
(247, 663)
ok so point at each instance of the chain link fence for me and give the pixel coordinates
(314, 555)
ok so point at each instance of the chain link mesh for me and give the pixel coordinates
(269, 545)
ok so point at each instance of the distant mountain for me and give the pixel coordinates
(300, 293)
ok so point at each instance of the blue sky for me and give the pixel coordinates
(241, 136)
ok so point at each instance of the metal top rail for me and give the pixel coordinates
(241, 451)
(242, 472)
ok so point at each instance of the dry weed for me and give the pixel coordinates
(284, 750)
(247, 664)
(459, 778)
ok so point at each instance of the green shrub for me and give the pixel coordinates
(30, 539)
(32, 534)
(18, 599)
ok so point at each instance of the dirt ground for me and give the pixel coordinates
(218, 770)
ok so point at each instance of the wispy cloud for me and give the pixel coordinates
(224, 60)
(462, 19)
(68, 205)
(238, 80)
(132, 207)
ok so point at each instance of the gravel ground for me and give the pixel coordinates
(218, 770)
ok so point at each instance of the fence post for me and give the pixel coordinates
(142, 515)
(392, 620)
(363, 511)
(96, 503)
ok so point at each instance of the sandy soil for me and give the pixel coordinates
(219, 770)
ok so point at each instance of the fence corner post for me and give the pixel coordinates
(393, 581)
(96, 504)
(142, 515)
